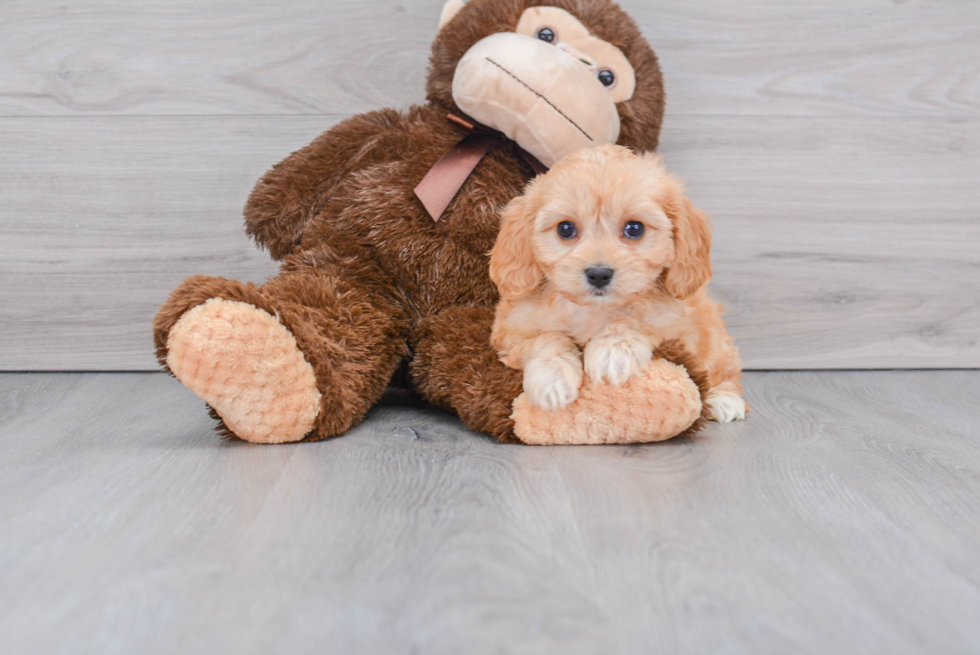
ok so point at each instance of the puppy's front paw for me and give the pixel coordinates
(617, 357)
(725, 406)
(553, 382)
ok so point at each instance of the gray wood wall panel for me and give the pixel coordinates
(103, 217)
(796, 57)
(840, 518)
(837, 145)
(857, 250)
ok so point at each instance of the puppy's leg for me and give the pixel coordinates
(553, 372)
(725, 403)
(722, 364)
(617, 353)
(724, 372)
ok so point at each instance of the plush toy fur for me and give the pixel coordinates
(655, 406)
(369, 281)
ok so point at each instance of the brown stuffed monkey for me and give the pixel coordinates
(376, 272)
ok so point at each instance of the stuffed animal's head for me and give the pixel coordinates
(555, 76)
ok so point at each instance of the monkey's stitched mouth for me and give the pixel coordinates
(550, 104)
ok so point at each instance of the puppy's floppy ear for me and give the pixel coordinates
(691, 268)
(512, 265)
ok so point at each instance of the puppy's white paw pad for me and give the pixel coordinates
(616, 359)
(725, 407)
(553, 383)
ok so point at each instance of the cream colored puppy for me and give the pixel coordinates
(605, 253)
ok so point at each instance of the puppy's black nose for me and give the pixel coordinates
(599, 276)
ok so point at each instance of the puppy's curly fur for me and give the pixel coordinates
(598, 263)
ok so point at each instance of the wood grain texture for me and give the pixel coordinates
(102, 218)
(839, 518)
(756, 57)
(804, 57)
(840, 242)
(837, 145)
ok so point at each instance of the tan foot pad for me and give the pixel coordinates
(653, 406)
(247, 366)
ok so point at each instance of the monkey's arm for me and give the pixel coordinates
(289, 195)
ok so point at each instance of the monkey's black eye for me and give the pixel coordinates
(606, 77)
(567, 230)
(634, 230)
(546, 34)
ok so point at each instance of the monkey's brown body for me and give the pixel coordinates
(368, 279)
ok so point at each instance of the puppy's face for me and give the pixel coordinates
(600, 236)
(602, 227)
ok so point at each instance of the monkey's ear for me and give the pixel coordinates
(450, 9)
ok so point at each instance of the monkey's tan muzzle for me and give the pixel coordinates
(539, 95)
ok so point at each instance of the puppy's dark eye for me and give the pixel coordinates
(607, 77)
(567, 230)
(546, 34)
(634, 230)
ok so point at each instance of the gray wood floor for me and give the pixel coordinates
(842, 517)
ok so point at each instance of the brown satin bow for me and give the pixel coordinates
(447, 176)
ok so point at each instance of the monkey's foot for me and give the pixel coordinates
(247, 366)
(659, 403)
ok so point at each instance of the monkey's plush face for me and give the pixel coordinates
(555, 76)
(550, 86)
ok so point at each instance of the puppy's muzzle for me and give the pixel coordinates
(599, 277)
